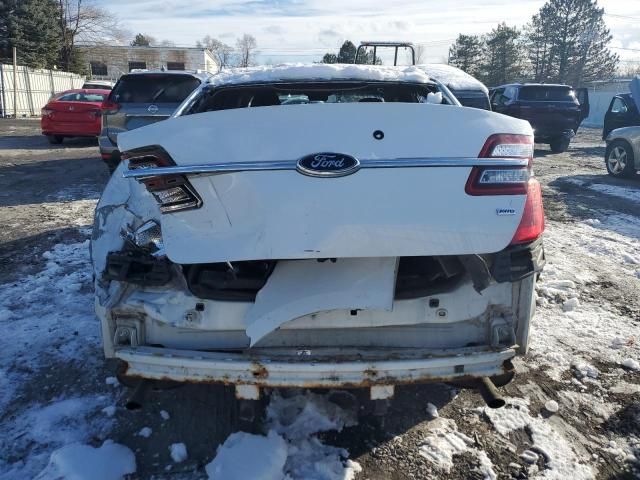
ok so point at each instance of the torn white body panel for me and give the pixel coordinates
(303, 287)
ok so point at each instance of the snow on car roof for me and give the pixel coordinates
(452, 77)
(323, 72)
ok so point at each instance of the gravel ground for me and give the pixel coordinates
(589, 309)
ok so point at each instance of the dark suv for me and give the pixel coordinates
(622, 112)
(139, 99)
(554, 111)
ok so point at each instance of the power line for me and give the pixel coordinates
(622, 16)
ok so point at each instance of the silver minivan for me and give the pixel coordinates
(139, 99)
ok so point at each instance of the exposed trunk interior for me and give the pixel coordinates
(240, 281)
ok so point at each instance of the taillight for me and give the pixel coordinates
(532, 221)
(172, 192)
(507, 180)
(46, 112)
(95, 113)
(110, 107)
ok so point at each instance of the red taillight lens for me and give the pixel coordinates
(532, 222)
(110, 107)
(172, 192)
(497, 180)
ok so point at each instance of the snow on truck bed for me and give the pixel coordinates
(323, 72)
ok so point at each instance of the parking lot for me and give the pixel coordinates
(56, 389)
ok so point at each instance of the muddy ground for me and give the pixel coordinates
(37, 178)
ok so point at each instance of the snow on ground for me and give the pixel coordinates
(444, 441)
(567, 332)
(291, 449)
(561, 456)
(615, 190)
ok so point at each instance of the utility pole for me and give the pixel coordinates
(15, 83)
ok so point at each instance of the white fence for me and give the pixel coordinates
(34, 88)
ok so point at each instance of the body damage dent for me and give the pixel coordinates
(302, 287)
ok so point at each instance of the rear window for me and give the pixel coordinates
(310, 93)
(154, 88)
(547, 94)
(81, 97)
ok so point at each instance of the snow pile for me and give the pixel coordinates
(432, 410)
(244, 456)
(453, 77)
(561, 460)
(301, 71)
(631, 364)
(290, 450)
(111, 461)
(178, 452)
(145, 432)
(444, 441)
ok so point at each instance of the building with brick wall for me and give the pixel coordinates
(109, 62)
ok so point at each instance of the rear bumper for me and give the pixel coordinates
(544, 135)
(357, 369)
(66, 132)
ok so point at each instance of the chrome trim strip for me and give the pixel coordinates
(219, 168)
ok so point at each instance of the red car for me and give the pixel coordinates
(74, 113)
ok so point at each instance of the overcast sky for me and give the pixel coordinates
(302, 30)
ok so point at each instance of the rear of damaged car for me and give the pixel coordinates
(373, 234)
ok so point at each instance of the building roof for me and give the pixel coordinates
(320, 72)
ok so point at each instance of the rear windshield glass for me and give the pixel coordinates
(82, 97)
(154, 88)
(99, 86)
(310, 93)
(547, 94)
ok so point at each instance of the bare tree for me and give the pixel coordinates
(246, 47)
(80, 22)
(221, 51)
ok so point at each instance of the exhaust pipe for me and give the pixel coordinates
(136, 398)
(490, 393)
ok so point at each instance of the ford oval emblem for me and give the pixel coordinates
(328, 165)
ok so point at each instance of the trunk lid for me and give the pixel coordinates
(74, 112)
(403, 210)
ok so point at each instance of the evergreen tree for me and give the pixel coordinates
(538, 41)
(504, 61)
(330, 58)
(577, 41)
(347, 53)
(141, 40)
(31, 27)
(467, 54)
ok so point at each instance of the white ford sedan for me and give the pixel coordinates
(321, 226)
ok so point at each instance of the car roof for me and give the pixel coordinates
(203, 76)
(300, 72)
(85, 90)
